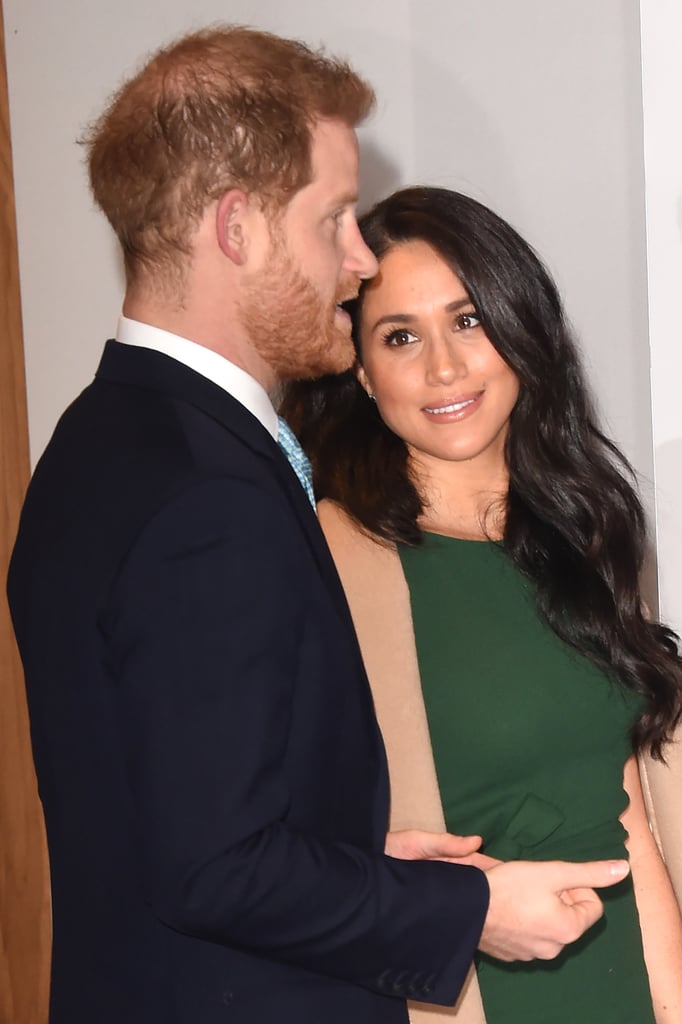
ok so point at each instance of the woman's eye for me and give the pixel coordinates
(467, 321)
(400, 337)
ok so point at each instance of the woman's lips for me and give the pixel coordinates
(456, 409)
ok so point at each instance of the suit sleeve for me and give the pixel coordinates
(202, 635)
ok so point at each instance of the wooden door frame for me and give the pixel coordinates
(25, 917)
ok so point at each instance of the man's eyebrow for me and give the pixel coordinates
(345, 199)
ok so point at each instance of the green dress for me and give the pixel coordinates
(529, 741)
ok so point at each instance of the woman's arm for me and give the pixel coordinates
(659, 913)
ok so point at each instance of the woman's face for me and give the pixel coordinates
(437, 380)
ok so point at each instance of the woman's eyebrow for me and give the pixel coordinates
(409, 318)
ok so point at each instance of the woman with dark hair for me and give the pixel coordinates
(464, 447)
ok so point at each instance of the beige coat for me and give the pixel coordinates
(377, 593)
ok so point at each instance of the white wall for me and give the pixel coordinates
(533, 106)
(662, 91)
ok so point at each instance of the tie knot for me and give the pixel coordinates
(298, 460)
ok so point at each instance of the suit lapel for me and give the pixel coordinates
(141, 367)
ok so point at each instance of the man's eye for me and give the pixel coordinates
(399, 337)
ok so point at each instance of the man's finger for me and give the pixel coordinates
(415, 844)
(586, 913)
(452, 846)
(598, 874)
(571, 896)
(479, 860)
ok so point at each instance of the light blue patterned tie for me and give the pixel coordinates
(298, 459)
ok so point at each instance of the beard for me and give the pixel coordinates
(294, 329)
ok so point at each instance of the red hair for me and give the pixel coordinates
(228, 107)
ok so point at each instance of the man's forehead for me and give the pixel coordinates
(331, 140)
(334, 159)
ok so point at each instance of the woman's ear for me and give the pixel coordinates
(364, 380)
(232, 218)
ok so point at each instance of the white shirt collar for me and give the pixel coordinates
(228, 376)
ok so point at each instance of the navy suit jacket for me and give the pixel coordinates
(213, 779)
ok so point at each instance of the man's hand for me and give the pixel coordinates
(413, 844)
(538, 908)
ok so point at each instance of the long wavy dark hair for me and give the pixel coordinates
(574, 524)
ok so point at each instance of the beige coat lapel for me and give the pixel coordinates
(379, 601)
(662, 787)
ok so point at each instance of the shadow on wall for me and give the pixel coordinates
(440, 113)
(669, 512)
(379, 175)
(649, 575)
(649, 578)
(436, 130)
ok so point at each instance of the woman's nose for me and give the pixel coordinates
(445, 363)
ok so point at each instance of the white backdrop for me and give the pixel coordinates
(534, 107)
(662, 87)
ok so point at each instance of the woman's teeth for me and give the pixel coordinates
(455, 407)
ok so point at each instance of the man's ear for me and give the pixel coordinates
(232, 225)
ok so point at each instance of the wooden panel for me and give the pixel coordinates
(24, 886)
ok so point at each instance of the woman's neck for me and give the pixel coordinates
(462, 499)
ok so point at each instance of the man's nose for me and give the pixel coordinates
(360, 260)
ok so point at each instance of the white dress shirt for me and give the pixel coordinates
(231, 378)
